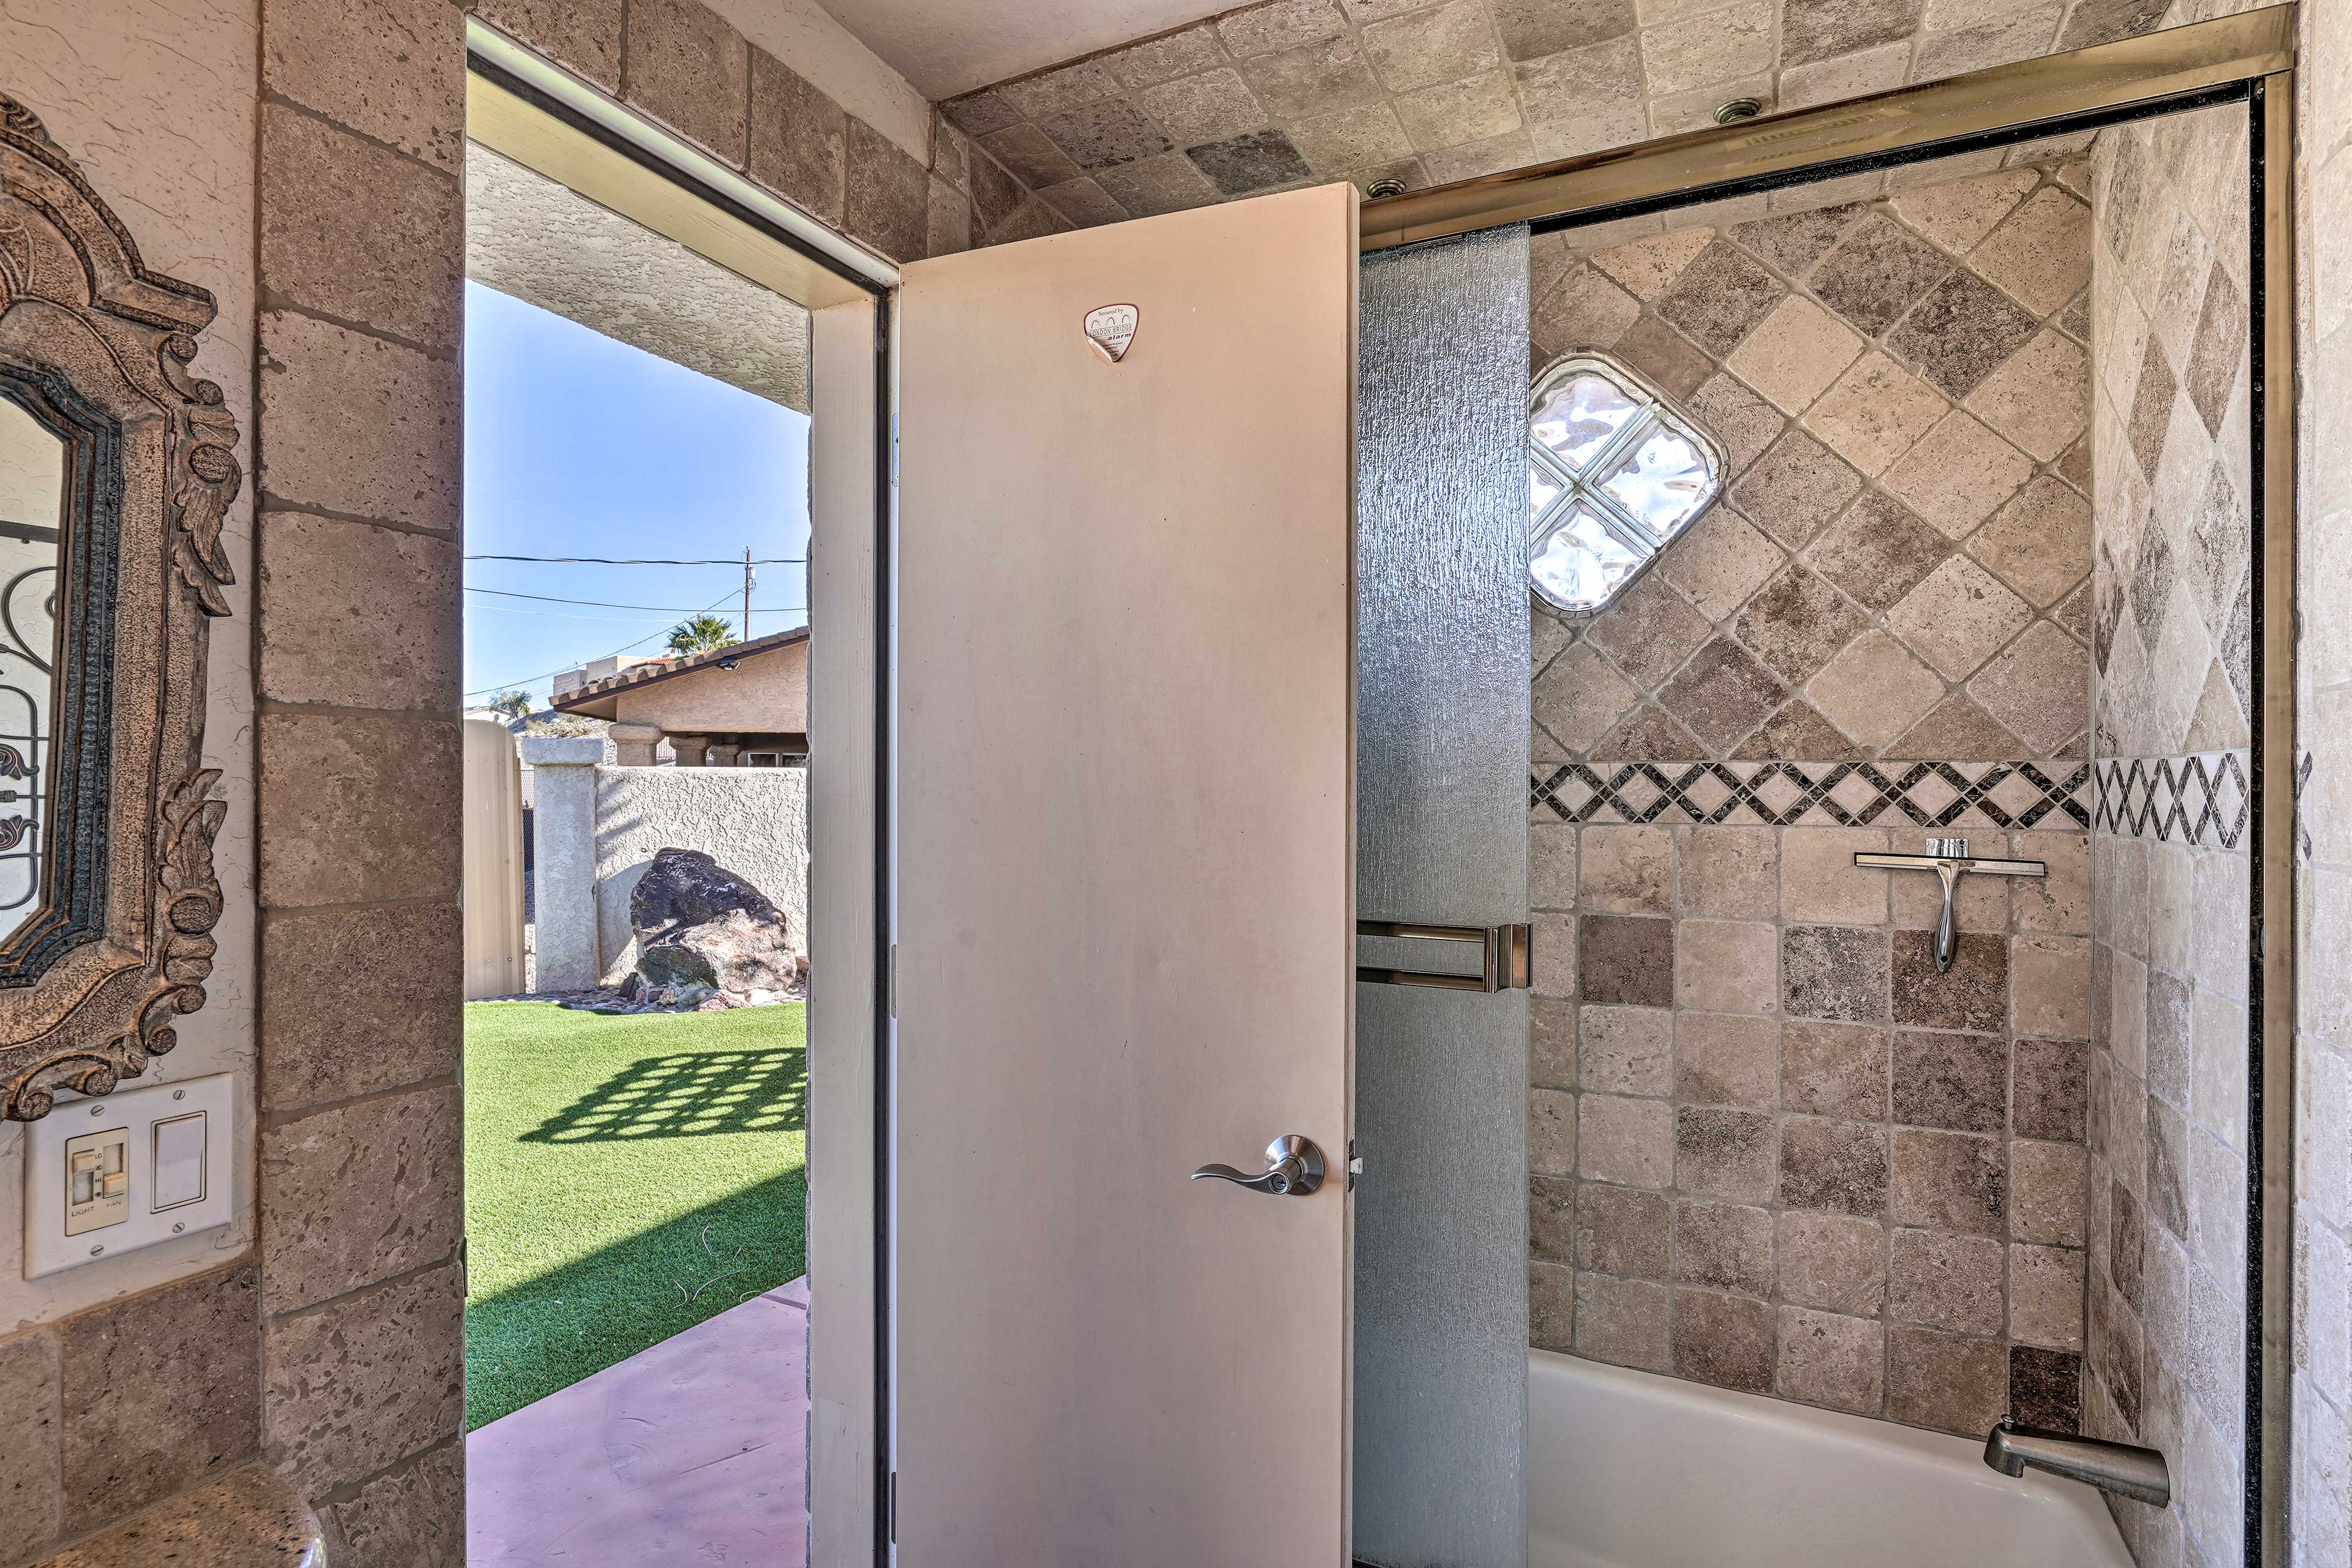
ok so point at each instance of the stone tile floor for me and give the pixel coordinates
(692, 1451)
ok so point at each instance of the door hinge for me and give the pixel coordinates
(893, 980)
(893, 1508)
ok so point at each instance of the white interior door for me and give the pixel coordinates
(1126, 893)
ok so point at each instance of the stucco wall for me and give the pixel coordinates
(158, 113)
(128, 1379)
(753, 821)
(549, 246)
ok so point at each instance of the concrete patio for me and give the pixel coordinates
(692, 1451)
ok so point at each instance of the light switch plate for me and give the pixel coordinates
(190, 1193)
(98, 1180)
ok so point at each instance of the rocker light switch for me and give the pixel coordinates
(179, 1161)
(108, 1175)
(98, 1180)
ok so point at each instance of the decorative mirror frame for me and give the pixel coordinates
(120, 942)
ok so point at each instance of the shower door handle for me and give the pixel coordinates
(1293, 1168)
(1508, 965)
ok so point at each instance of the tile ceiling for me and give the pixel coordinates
(1291, 92)
(945, 49)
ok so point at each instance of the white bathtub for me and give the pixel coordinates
(1628, 1470)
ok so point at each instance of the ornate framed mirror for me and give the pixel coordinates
(117, 467)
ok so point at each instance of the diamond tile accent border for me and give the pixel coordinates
(1790, 795)
(2201, 799)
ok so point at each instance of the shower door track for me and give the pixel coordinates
(2250, 59)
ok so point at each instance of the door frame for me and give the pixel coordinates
(2250, 59)
(527, 108)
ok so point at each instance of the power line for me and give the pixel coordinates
(608, 604)
(561, 614)
(604, 561)
(559, 670)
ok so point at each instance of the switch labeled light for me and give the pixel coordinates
(179, 1163)
(98, 1180)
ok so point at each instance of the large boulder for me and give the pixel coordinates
(699, 923)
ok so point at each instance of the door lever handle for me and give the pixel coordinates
(1293, 1168)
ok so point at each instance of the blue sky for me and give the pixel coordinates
(579, 444)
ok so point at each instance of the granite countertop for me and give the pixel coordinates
(246, 1519)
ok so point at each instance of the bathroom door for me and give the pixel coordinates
(1125, 887)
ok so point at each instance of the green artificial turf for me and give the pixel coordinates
(625, 1178)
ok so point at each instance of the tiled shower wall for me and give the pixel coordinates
(2171, 638)
(1773, 1149)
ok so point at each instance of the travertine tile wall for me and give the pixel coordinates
(1773, 1149)
(2321, 1494)
(685, 65)
(1291, 91)
(358, 475)
(2172, 635)
(1896, 566)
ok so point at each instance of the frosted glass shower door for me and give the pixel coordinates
(1442, 786)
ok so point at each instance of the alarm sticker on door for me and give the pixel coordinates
(1110, 328)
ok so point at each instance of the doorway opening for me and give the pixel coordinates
(642, 497)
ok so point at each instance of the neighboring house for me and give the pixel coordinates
(745, 705)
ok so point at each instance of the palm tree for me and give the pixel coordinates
(513, 704)
(701, 634)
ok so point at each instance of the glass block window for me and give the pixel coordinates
(1615, 470)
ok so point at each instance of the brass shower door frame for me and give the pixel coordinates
(2249, 60)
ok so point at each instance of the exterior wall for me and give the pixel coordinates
(1299, 91)
(2171, 638)
(2321, 1495)
(762, 694)
(753, 821)
(1773, 1149)
(130, 1380)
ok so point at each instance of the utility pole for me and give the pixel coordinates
(747, 595)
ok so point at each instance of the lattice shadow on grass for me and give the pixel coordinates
(692, 1094)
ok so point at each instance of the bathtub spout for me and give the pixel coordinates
(2118, 1467)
